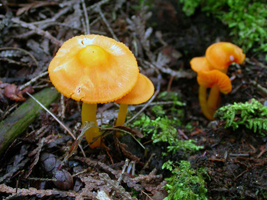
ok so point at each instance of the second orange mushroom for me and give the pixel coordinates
(218, 57)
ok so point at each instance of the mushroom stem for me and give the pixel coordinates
(121, 116)
(214, 98)
(89, 115)
(214, 95)
(202, 97)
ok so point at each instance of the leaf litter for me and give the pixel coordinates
(34, 164)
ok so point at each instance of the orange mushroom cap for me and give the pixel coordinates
(200, 64)
(142, 91)
(215, 77)
(93, 69)
(220, 55)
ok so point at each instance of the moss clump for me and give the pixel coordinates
(185, 182)
(163, 130)
(247, 19)
(252, 114)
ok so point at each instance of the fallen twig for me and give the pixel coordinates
(34, 192)
(261, 89)
(98, 9)
(38, 31)
(66, 128)
(86, 17)
(23, 50)
(36, 157)
(33, 80)
(117, 188)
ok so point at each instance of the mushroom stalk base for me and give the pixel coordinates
(89, 115)
(121, 116)
(202, 97)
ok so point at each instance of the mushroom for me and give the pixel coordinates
(93, 69)
(221, 55)
(200, 64)
(142, 91)
(218, 56)
(210, 79)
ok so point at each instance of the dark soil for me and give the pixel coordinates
(235, 160)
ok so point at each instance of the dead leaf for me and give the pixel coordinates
(172, 54)
(28, 89)
(64, 179)
(12, 92)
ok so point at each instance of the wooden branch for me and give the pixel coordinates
(18, 121)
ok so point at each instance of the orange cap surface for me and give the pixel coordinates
(142, 91)
(215, 77)
(220, 55)
(93, 69)
(200, 64)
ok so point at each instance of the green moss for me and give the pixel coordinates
(247, 19)
(163, 128)
(185, 182)
(252, 115)
(158, 110)
(176, 104)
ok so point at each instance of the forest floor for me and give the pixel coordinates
(40, 163)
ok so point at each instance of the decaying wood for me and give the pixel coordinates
(19, 120)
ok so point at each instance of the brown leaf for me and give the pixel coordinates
(172, 54)
(12, 92)
(3, 85)
(28, 89)
(64, 179)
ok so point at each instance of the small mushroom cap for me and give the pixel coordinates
(222, 54)
(215, 77)
(93, 69)
(200, 64)
(142, 91)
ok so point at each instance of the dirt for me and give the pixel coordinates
(40, 160)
